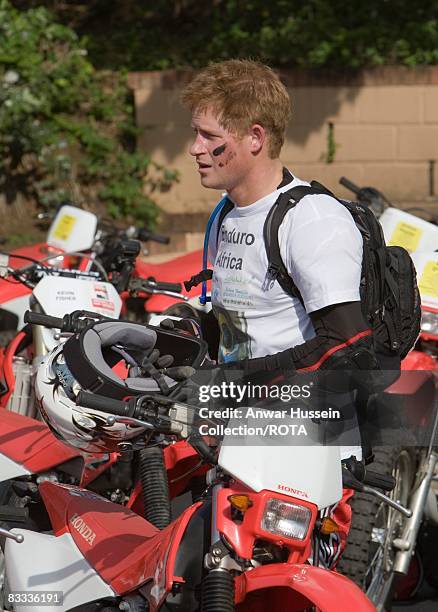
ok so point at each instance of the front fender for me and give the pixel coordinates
(299, 586)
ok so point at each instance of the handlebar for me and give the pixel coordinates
(105, 404)
(145, 235)
(149, 409)
(132, 232)
(381, 481)
(150, 285)
(367, 196)
(354, 473)
(37, 269)
(134, 407)
(36, 318)
(345, 182)
(368, 481)
(163, 286)
(73, 322)
(355, 476)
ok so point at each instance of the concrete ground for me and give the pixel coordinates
(428, 605)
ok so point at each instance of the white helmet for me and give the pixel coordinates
(84, 363)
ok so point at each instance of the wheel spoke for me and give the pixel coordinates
(375, 570)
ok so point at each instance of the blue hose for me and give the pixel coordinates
(204, 298)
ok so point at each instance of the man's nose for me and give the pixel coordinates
(197, 147)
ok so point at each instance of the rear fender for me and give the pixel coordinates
(50, 563)
(410, 381)
(291, 587)
(415, 391)
(32, 445)
(11, 469)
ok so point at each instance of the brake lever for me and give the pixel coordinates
(80, 319)
(351, 482)
(147, 286)
(179, 296)
(157, 424)
(112, 419)
(391, 502)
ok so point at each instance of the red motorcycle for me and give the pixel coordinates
(29, 449)
(244, 545)
(77, 240)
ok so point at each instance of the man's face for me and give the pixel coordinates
(222, 156)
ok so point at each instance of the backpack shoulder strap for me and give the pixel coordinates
(226, 208)
(220, 211)
(277, 271)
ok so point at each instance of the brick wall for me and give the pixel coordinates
(385, 126)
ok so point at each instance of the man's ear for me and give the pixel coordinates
(257, 138)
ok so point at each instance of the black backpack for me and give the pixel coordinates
(391, 302)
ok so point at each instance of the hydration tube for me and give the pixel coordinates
(204, 298)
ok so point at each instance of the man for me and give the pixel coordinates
(240, 111)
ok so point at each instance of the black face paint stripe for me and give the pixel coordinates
(219, 150)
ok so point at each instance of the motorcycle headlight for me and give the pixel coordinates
(429, 322)
(286, 519)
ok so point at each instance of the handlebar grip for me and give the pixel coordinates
(145, 235)
(151, 283)
(105, 404)
(37, 318)
(349, 481)
(175, 287)
(349, 185)
(379, 481)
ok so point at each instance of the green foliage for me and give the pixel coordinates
(67, 131)
(332, 145)
(15, 240)
(284, 33)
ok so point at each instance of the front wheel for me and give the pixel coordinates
(368, 558)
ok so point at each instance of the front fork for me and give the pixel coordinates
(39, 346)
(406, 543)
(218, 582)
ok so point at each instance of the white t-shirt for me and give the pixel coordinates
(322, 250)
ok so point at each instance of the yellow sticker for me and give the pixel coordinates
(428, 284)
(406, 235)
(64, 227)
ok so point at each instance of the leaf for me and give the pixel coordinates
(66, 128)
